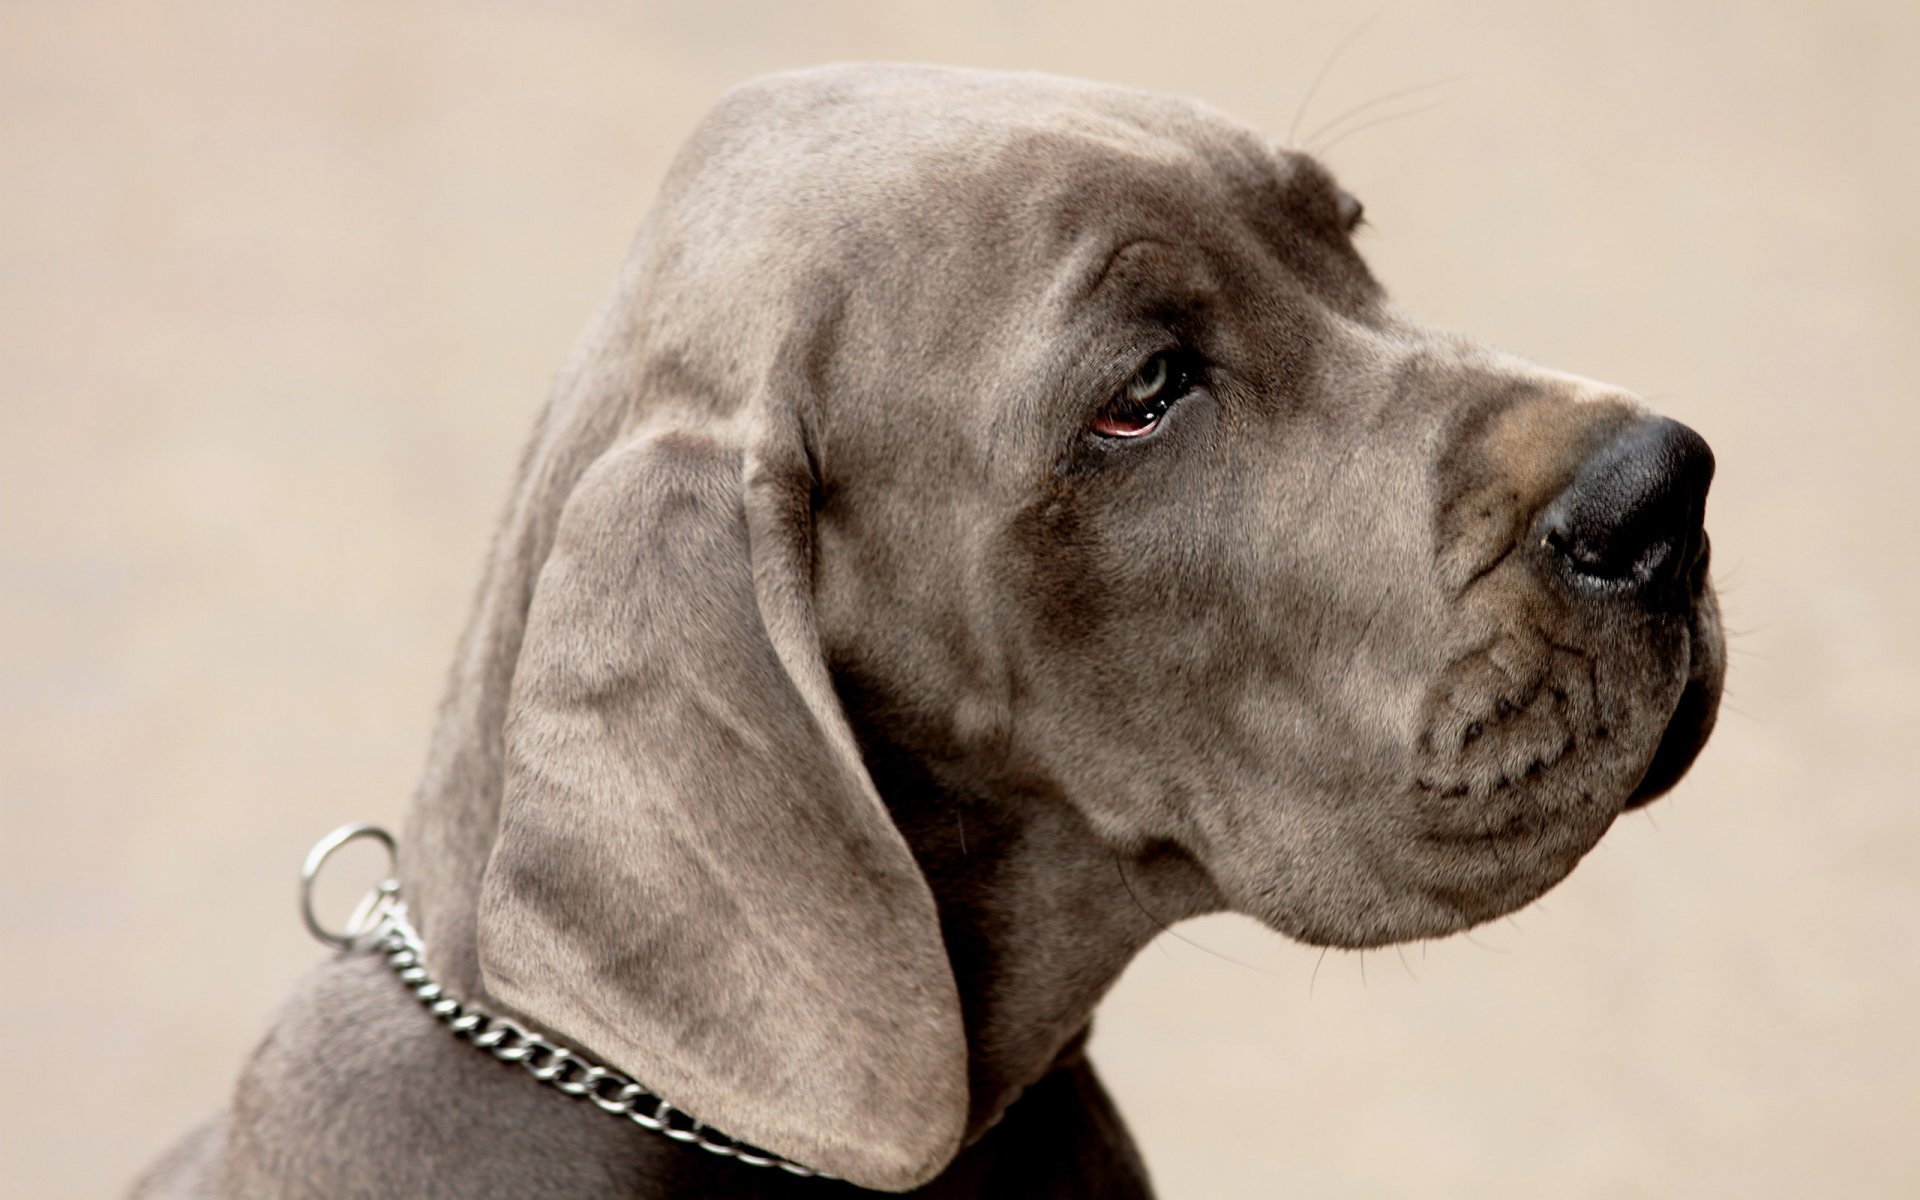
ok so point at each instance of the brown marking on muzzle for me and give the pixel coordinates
(1507, 457)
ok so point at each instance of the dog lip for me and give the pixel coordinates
(1680, 744)
(1512, 831)
(1571, 823)
(1694, 714)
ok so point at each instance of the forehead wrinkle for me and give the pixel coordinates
(1085, 284)
(1066, 198)
(1195, 201)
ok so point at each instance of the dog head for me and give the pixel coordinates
(1057, 435)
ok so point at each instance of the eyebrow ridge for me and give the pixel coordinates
(1098, 275)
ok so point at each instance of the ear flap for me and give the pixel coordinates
(694, 877)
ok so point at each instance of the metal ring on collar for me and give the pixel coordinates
(366, 913)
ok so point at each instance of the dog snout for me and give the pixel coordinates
(1632, 521)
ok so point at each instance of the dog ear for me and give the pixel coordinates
(694, 877)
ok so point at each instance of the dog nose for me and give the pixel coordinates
(1632, 519)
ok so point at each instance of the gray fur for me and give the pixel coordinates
(836, 707)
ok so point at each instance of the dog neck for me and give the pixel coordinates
(1040, 916)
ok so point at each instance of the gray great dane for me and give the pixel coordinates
(990, 508)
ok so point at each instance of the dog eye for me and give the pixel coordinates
(1147, 397)
(1351, 211)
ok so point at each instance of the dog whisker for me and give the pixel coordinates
(1737, 711)
(1323, 151)
(1468, 934)
(1121, 870)
(1320, 76)
(1377, 101)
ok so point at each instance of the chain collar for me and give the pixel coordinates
(380, 924)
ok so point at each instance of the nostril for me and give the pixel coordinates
(1602, 557)
(1632, 517)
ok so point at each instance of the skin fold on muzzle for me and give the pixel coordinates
(996, 516)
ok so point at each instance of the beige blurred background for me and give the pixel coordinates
(281, 287)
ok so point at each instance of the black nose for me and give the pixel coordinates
(1632, 519)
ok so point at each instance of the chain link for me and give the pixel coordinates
(380, 924)
(507, 1040)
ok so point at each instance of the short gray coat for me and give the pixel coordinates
(840, 712)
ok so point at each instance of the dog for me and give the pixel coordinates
(990, 508)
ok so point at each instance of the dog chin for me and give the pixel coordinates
(1445, 881)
